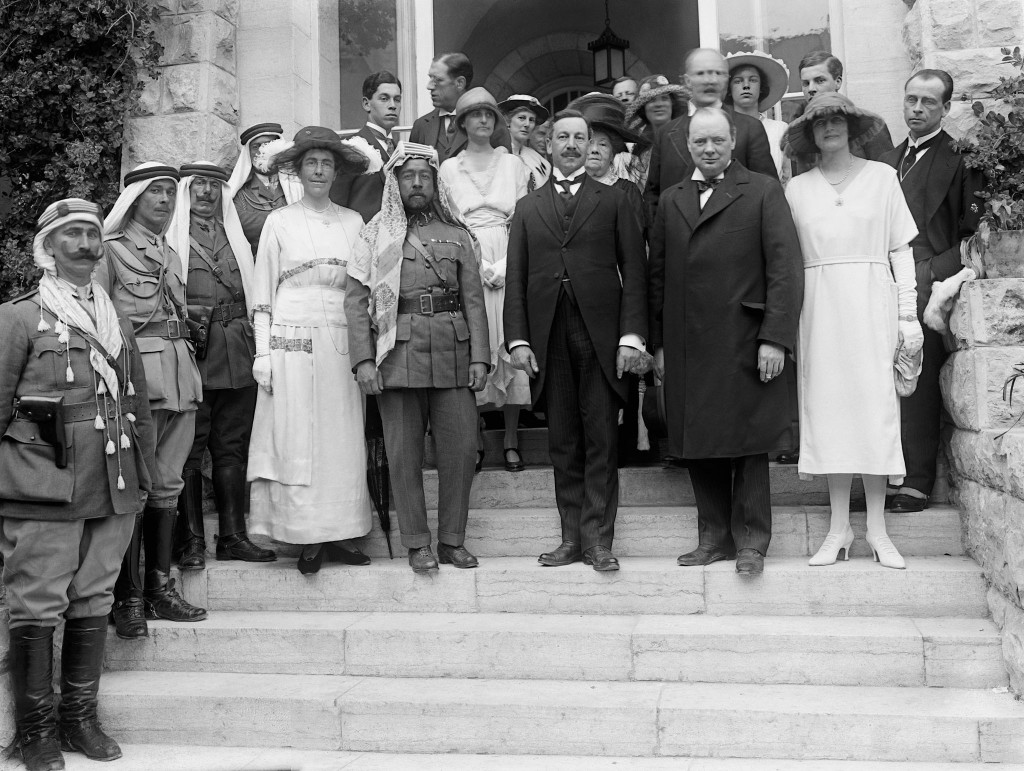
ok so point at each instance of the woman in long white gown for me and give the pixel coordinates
(307, 458)
(860, 306)
(484, 184)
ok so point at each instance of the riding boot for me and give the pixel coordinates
(81, 665)
(128, 614)
(229, 495)
(189, 535)
(31, 665)
(161, 598)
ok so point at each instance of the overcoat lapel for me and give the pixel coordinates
(545, 199)
(940, 175)
(688, 203)
(727, 193)
(590, 196)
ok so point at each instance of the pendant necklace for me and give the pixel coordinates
(839, 197)
(325, 222)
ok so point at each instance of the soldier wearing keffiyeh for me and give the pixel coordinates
(66, 514)
(418, 340)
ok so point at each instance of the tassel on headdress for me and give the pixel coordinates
(120, 482)
(125, 442)
(98, 423)
(110, 449)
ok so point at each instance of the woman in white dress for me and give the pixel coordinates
(307, 459)
(860, 307)
(757, 82)
(484, 184)
(523, 113)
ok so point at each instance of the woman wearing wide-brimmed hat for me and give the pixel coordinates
(484, 184)
(757, 82)
(657, 102)
(859, 313)
(523, 113)
(307, 461)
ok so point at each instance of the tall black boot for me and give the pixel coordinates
(161, 598)
(81, 665)
(189, 534)
(128, 614)
(229, 494)
(31, 663)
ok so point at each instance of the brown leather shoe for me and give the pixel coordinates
(749, 562)
(601, 558)
(567, 553)
(459, 556)
(704, 555)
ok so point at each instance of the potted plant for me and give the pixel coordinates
(997, 150)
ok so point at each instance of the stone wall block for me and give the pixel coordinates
(951, 23)
(223, 99)
(152, 98)
(973, 70)
(180, 138)
(989, 313)
(912, 36)
(226, 9)
(186, 87)
(984, 512)
(1000, 22)
(972, 387)
(1013, 547)
(185, 39)
(223, 39)
(1011, 444)
(1009, 617)
(976, 455)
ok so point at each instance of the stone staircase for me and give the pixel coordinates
(513, 665)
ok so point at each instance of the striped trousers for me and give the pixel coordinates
(734, 509)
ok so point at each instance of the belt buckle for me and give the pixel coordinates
(173, 329)
(427, 304)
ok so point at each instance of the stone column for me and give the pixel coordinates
(191, 111)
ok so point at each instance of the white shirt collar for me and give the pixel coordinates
(577, 177)
(447, 113)
(911, 142)
(691, 108)
(698, 175)
(377, 129)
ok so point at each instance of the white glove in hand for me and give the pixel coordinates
(911, 336)
(261, 371)
(902, 263)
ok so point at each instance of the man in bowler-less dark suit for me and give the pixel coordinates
(940, 191)
(576, 321)
(707, 77)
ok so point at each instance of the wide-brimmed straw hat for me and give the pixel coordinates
(650, 88)
(478, 98)
(518, 102)
(348, 160)
(863, 125)
(773, 71)
(606, 113)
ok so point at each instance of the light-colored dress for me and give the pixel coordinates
(307, 456)
(849, 410)
(776, 130)
(537, 165)
(486, 202)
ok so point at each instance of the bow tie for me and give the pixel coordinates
(566, 184)
(703, 185)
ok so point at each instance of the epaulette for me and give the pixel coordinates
(114, 236)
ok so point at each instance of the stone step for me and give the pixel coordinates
(529, 717)
(171, 757)
(812, 650)
(660, 531)
(931, 586)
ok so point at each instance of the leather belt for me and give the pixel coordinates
(169, 329)
(82, 411)
(429, 304)
(229, 311)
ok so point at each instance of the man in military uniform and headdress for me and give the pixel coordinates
(143, 277)
(206, 234)
(256, 193)
(74, 470)
(417, 332)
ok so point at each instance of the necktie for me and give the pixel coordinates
(912, 152)
(566, 185)
(389, 145)
(449, 123)
(703, 185)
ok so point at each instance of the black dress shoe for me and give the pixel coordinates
(704, 555)
(339, 551)
(515, 461)
(566, 554)
(422, 560)
(749, 562)
(129, 618)
(311, 558)
(459, 556)
(601, 558)
(905, 504)
(788, 458)
(239, 547)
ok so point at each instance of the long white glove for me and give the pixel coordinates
(902, 263)
(261, 371)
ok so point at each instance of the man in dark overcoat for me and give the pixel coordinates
(576, 320)
(67, 513)
(725, 293)
(707, 77)
(941, 193)
(417, 331)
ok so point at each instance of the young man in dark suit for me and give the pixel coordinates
(382, 101)
(576, 318)
(707, 77)
(725, 294)
(941, 193)
(449, 77)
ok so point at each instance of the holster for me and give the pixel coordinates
(198, 323)
(47, 412)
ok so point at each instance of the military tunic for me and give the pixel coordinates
(63, 531)
(254, 201)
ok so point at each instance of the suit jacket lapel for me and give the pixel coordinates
(940, 174)
(546, 206)
(688, 203)
(589, 195)
(725, 194)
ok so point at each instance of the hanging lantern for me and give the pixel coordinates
(609, 53)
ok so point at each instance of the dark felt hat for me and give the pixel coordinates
(606, 113)
(863, 125)
(347, 159)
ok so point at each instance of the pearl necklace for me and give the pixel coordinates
(839, 198)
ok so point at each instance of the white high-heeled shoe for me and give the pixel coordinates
(885, 552)
(830, 548)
